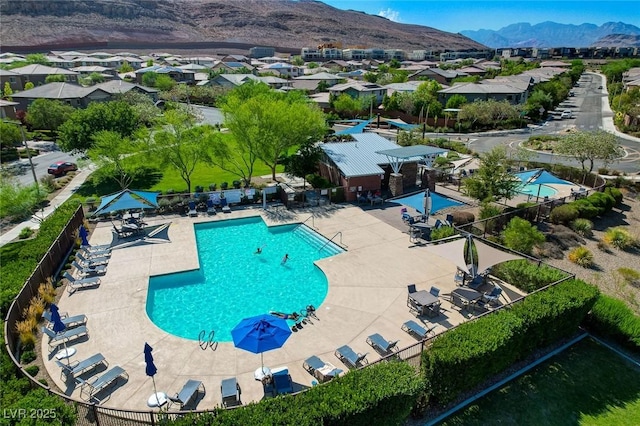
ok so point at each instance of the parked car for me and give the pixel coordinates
(572, 93)
(566, 114)
(61, 168)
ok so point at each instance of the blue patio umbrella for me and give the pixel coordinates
(260, 334)
(127, 200)
(83, 233)
(150, 368)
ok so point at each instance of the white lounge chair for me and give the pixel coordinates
(89, 388)
(89, 271)
(56, 339)
(77, 284)
(77, 368)
(68, 322)
(188, 392)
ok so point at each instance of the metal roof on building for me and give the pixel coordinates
(362, 157)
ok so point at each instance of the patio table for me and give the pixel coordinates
(423, 297)
(465, 297)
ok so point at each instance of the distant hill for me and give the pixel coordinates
(286, 23)
(549, 34)
(618, 40)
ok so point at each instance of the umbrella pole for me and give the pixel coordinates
(155, 391)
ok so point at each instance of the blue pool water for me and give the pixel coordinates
(235, 283)
(532, 189)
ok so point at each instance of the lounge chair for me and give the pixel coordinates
(319, 369)
(94, 249)
(416, 329)
(381, 344)
(188, 392)
(230, 392)
(68, 322)
(91, 254)
(89, 271)
(449, 220)
(282, 382)
(89, 263)
(76, 284)
(89, 388)
(438, 224)
(77, 368)
(211, 208)
(192, 209)
(493, 297)
(55, 339)
(349, 357)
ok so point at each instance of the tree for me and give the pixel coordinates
(456, 101)
(304, 162)
(10, 135)
(149, 78)
(7, 91)
(586, 147)
(538, 104)
(48, 114)
(29, 85)
(312, 65)
(114, 156)
(164, 82)
(178, 143)
(297, 61)
(96, 78)
(144, 107)
(346, 105)
(520, 235)
(55, 78)
(126, 67)
(266, 124)
(492, 181)
(37, 58)
(76, 134)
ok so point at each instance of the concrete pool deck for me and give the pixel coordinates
(367, 294)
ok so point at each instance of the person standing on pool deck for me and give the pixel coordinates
(284, 259)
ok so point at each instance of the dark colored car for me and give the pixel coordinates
(61, 167)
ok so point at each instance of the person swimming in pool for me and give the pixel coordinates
(284, 259)
(258, 250)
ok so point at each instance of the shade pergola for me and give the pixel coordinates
(488, 256)
(398, 156)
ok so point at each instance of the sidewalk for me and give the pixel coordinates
(34, 221)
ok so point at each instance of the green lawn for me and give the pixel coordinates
(587, 384)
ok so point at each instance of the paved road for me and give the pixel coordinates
(41, 164)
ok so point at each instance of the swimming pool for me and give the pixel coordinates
(532, 189)
(234, 282)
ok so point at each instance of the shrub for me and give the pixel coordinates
(582, 227)
(611, 318)
(47, 292)
(564, 214)
(488, 211)
(199, 189)
(525, 275)
(318, 181)
(603, 201)
(35, 309)
(442, 232)
(224, 185)
(619, 238)
(586, 209)
(615, 193)
(462, 217)
(26, 333)
(581, 256)
(32, 370)
(213, 187)
(631, 276)
(27, 357)
(25, 232)
(237, 184)
(521, 236)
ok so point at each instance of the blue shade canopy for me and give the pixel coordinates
(417, 202)
(526, 175)
(358, 128)
(261, 333)
(150, 368)
(58, 325)
(547, 178)
(128, 200)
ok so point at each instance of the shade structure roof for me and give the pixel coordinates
(128, 200)
(406, 152)
(540, 177)
(416, 201)
(488, 256)
(358, 128)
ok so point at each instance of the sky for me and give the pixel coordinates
(455, 16)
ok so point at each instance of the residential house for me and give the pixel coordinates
(37, 74)
(177, 74)
(85, 71)
(8, 109)
(283, 69)
(331, 53)
(441, 76)
(236, 58)
(116, 87)
(360, 90)
(337, 65)
(475, 91)
(397, 54)
(473, 71)
(230, 81)
(310, 54)
(261, 51)
(374, 53)
(231, 67)
(554, 64)
(407, 87)
(72, 94)
(355, 74)
(310, 82)
(15, 80)
(353, 54)
(205, 61)
(270, 60)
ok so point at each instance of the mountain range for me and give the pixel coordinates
(552, 34)
(280, 23)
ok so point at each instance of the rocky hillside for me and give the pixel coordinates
(618, 40)
(286, 23)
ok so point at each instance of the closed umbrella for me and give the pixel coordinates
(83, 233)
(150, 369)
(426, 203)
(260, 334)
(59, 327)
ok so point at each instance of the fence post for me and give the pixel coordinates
(94, 409)
(152, 416)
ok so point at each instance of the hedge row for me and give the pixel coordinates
(527, 276)
(612, 319)
(20, 259)
(589, 207)
(382, 394)
(467, 356)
